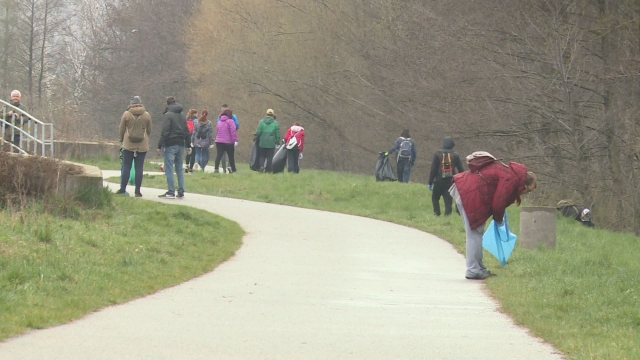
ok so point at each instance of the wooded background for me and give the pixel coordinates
(551, 84)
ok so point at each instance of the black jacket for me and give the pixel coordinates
(436, 171)
(174, 128)
(8, 118)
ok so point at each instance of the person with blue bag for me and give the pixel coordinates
(484, 191)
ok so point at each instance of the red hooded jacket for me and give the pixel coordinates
(490, 190)
(298, 132)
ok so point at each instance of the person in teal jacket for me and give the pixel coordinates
(268, 136)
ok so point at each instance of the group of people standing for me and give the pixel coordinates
(201, 130)
(482, 192)
(195, 135)
(191, 134)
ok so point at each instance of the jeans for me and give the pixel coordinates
(292, 160)
(404, 170)
(229, 149)
(173, 155)
(202, 156)
(127, 160)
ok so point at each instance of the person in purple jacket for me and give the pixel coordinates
(226, 139)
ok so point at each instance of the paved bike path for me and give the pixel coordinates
(305, 284)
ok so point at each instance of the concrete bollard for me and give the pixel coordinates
(537, 226)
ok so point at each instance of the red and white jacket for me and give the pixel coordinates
(298, 132)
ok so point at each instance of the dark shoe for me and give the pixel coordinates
(480, 276)
(138, 195)
(167, 195)
(488, 273)
(186, 171)
(180, 197)
(121, 192)
(215, 171)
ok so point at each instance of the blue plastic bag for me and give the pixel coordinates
(497, 242)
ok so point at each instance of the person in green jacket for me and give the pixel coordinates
(268, 135)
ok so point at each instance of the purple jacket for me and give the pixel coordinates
(226, 131)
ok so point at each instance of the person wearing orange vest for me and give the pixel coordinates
(445, 164)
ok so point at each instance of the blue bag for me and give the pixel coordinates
(497, 242)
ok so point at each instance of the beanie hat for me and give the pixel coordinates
(270, 112)
(135, 100)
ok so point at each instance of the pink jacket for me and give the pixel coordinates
(226, 131)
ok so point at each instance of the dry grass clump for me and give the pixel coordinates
(31, 177)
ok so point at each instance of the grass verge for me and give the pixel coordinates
(60, 261)
(583, 296)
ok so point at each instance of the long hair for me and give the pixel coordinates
(203, 117)
(228, 112)
(191, 112)
(529, 180)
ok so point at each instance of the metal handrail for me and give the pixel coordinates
(41, 133)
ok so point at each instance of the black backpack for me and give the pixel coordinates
(202, 132)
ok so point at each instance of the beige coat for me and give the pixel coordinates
(126, 123)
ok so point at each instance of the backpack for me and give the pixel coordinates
(190, 125)
(446, 165)
(137, 131)
(202, 132)
(405, 149)
(480, 159)
(292, 142)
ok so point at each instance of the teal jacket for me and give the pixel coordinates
(268, 133)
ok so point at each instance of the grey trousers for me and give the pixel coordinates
(474, 239)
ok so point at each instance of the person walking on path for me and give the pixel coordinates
(407, 153)
(294, 140)
(226, 139)
(190, 160)
(235, 120)
(11, 134)
(446, 163)
(483, 193)
(174, 138)
(268, 136)
(134, 131)
(202, 139)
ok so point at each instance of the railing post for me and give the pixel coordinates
(51, 142)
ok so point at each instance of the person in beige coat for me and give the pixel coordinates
(134, 131)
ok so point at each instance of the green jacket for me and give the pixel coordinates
(268, 133)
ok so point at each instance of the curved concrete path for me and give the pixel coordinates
(342, 287)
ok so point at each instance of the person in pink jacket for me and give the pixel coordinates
(226, 139)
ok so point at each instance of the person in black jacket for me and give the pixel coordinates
(445, 164)
(174, 139)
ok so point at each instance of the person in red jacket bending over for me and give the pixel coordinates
(484, 191)
(294, 142)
